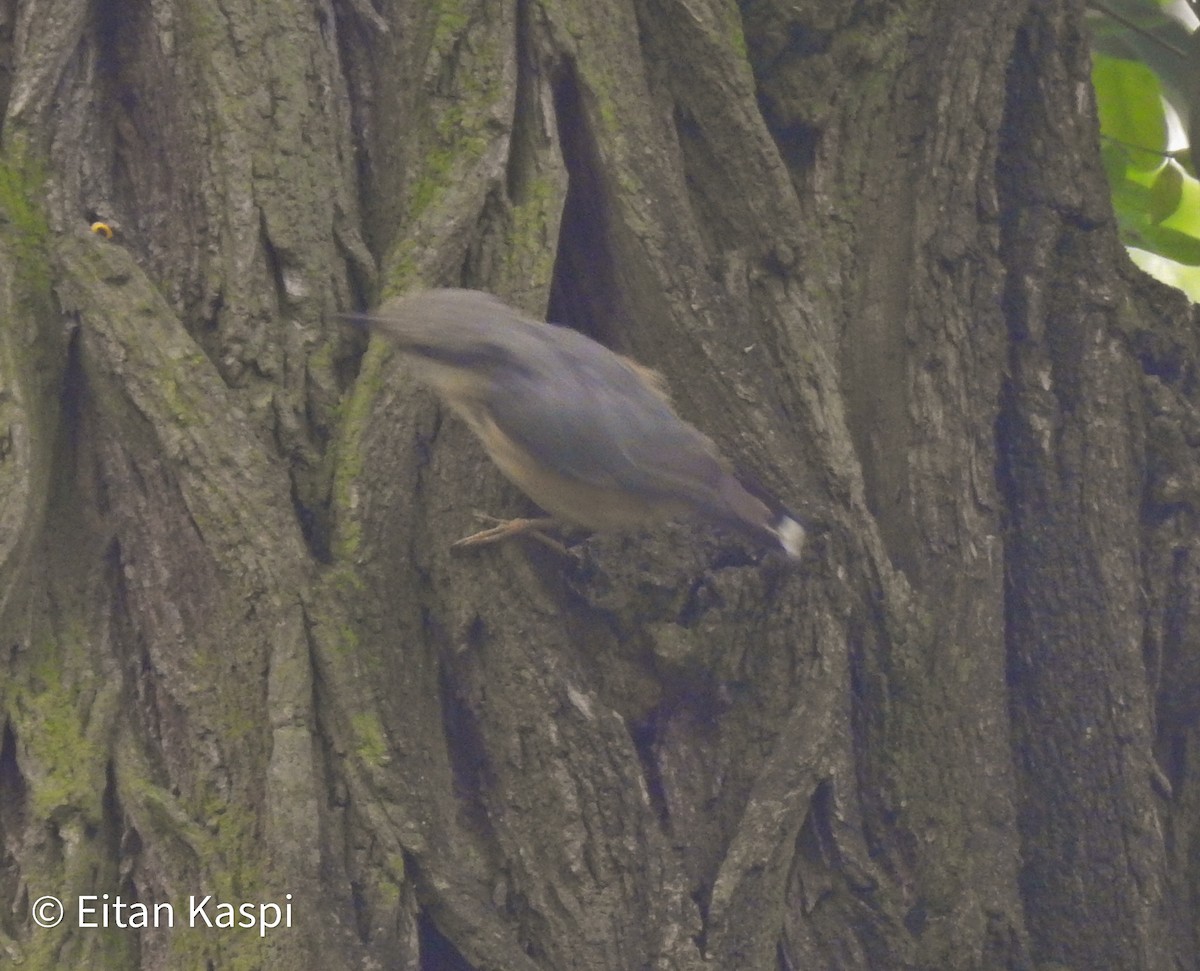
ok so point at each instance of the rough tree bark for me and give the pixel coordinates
(868, 245)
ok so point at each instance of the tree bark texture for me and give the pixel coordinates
(870, 248)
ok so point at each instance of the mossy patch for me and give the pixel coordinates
(23, 223)
(370, 739)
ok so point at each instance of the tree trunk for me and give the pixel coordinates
(871, 250)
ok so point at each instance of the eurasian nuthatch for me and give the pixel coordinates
(588, 435)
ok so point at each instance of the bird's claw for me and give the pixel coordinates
(505, 528)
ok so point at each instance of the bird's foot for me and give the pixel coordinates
(505, 528)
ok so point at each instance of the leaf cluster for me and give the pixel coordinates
(1146, 63)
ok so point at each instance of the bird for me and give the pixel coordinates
(588, 434)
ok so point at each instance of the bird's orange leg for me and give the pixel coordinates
(505, 528)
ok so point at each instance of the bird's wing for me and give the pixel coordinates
(597, 420)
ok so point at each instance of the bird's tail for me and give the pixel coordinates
(756, 513)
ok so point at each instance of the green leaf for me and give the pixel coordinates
(1185, 217)
(1142, 30)
(1191, 91)
(1131, 200)
(1170, 243)
(1129, 99)
(1165, 193)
